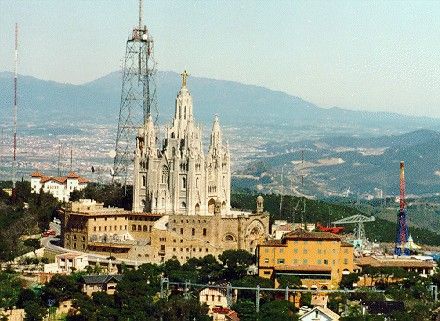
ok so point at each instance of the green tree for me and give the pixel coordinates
(306, 299)
(10, 287)
(60, 288)
(33, 244)
(348, 280)
(278, 310)
(246, 310)
(181, 309)
(252, 281)
(291, 281)
(136, 292)
(35, 311)
(236, 263)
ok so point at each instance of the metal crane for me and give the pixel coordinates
(360, 230)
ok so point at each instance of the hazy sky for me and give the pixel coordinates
(382, 55)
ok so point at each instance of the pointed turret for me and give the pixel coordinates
(183, 112)
(216, 136)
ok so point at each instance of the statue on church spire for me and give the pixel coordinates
(185, 76)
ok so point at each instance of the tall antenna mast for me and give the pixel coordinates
(141, 13)
(71, 159)
(14, 160)
(59, 159)
(282, 189)
(138, 96)
(402, 225)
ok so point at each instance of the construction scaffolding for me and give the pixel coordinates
(138, 96)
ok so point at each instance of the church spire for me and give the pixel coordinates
(216, 134)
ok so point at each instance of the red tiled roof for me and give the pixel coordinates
(72, 175)
(300, 234)
(62, 179)
(232, 316)
(82, 180)
(36, 174)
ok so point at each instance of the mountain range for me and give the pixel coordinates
(45, 102)
(343, 149)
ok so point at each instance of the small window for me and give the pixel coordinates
(280, 261)
(204, 232)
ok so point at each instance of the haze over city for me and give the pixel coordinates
(376, 55)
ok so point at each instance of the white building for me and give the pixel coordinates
(67, 263)
(178, 178)
(320, 314)
(59, 187)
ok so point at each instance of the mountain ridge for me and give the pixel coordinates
(100, 100)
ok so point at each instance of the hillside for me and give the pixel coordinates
(380, 230)
(356, 165)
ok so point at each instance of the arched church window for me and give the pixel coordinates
(184, 114)
(197, 182)
(197, 208)
(183, 182)
(172, 135)
(144, 180)
(183, 205)
(164, 174)
(211, 205)
(174, 151)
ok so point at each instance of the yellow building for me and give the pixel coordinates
(318, 258)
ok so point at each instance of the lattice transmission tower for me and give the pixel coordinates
(138, 96)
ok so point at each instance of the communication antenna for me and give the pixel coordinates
(71, 159)
(59, 159)
(282, 189)
(14, 160)
(302, 168)
(138, 96)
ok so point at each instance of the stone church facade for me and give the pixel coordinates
(181, 200)
(177, 177)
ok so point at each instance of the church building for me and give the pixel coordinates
(181, 200)
(177, 177)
